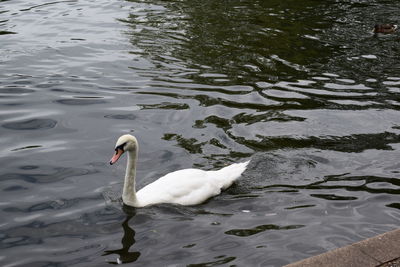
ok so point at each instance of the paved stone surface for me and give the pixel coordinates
(372, 252)
(383, 247)
(395, 263)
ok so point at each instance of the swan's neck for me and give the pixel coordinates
(129, 191)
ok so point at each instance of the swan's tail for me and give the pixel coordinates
(230, 173)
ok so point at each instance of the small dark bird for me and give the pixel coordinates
(385, 28)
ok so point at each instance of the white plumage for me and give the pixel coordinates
(184, 187)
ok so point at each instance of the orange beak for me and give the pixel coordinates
(117, 155)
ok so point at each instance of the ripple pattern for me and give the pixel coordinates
(303, 89)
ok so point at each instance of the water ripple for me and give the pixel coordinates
(33, 124)
(311, 101)
(259, 229)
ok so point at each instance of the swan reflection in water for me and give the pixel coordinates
(127, 241)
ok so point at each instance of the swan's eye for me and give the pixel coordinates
(121, 147)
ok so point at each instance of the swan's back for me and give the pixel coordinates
(189, 186)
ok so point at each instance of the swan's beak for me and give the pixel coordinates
(118, 153)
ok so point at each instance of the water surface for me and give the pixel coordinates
(302, 88)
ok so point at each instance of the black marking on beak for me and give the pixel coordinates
(120, 147)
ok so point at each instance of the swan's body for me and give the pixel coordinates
(184, 187)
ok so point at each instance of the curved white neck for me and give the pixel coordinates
(129, 191)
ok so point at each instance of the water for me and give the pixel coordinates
(302, 88)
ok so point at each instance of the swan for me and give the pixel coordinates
(184, 187)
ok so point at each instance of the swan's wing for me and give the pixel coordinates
(189, 186)
(228, 174)
(185, 187)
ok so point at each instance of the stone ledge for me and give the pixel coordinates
(371, 252)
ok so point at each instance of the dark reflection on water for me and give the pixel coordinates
(80, 101)
(302, 88)
(127, 241)
(34, 124)
(260, 228)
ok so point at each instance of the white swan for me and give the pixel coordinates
(185, 187)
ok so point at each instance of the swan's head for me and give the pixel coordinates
(125, 143)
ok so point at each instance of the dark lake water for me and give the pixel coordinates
(302, 88)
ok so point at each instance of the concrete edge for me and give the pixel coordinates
(371, 252)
